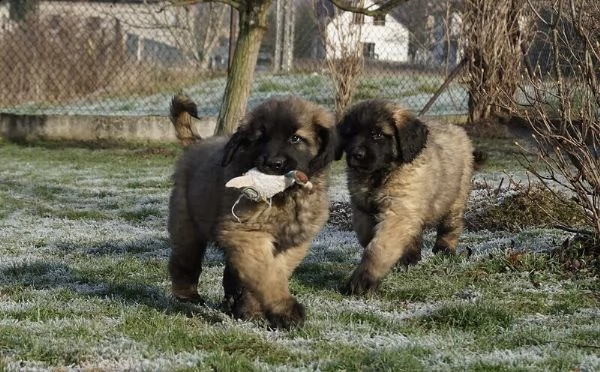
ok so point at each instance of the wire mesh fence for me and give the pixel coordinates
(129, 57)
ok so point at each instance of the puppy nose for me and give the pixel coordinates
(358, 154)
(275, 163)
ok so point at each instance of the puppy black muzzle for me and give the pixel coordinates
(277, 165)
(357, 158)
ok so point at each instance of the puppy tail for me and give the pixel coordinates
(183, 108)
(479, 158)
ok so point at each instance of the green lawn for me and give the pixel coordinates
(83, 283)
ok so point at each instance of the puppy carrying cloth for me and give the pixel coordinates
(258, 186)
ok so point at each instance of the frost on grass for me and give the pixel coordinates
(91, 271)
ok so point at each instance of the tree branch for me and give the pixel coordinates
(379, 8)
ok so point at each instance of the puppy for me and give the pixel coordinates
(263, 243)
(403, 174)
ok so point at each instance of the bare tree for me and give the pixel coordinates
(194, 29)
(201, 28)
(562, 106)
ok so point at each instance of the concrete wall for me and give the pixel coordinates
(94, 128)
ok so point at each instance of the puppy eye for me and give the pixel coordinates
(376, 135)
(295, 139)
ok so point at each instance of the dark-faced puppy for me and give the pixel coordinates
(403, 174)
(266, 244)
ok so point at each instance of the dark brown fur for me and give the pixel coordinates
(184, 109)
(403, 174)
(265, 246)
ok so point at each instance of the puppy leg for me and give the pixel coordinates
(240, 301)
(185, 266)
(364, 226)
(251, 256)
(448, 232)
(187, 252)
(290, 258)
(395, 240)
(412, 254)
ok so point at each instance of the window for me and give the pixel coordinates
(379, 20)
(369, 50)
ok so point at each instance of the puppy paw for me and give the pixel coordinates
(245, 307)
(411, 257)
(443, 248)
(187, 295)
(362, 283)
(290, 316)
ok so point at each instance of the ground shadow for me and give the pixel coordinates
(52, 274)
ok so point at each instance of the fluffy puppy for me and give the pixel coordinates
(403, 174)
(265, 245)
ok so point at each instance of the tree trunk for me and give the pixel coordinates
(252, 27)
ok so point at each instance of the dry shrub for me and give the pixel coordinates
(561, 107)
(344, 62)
(494, 32)
(59, 59)
(517, 206)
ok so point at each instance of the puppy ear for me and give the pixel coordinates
(411, 137)
(328, 139)
(243, 137)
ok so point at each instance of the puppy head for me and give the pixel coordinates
(284, 134)
(376, 134)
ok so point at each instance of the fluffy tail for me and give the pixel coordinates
(182, 111)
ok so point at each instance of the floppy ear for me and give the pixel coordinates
(243, 137)
(411, 137)
(328, 138)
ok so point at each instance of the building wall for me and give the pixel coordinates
(391, 40)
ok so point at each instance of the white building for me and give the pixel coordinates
(383, 37)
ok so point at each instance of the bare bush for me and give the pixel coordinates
(494, 32)
(55, 60)
(196, 29)
(562, 106)
(62, 60)
(344, 55)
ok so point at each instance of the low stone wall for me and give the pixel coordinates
(95, 128)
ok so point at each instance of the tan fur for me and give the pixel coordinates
(267, 243)
(431, 189)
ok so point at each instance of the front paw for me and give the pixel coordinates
(362, 283)
(188, 295)
(245, 307)
(289, 314)
(441, 247)
(410, 257)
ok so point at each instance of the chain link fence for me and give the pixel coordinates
(129, 57)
